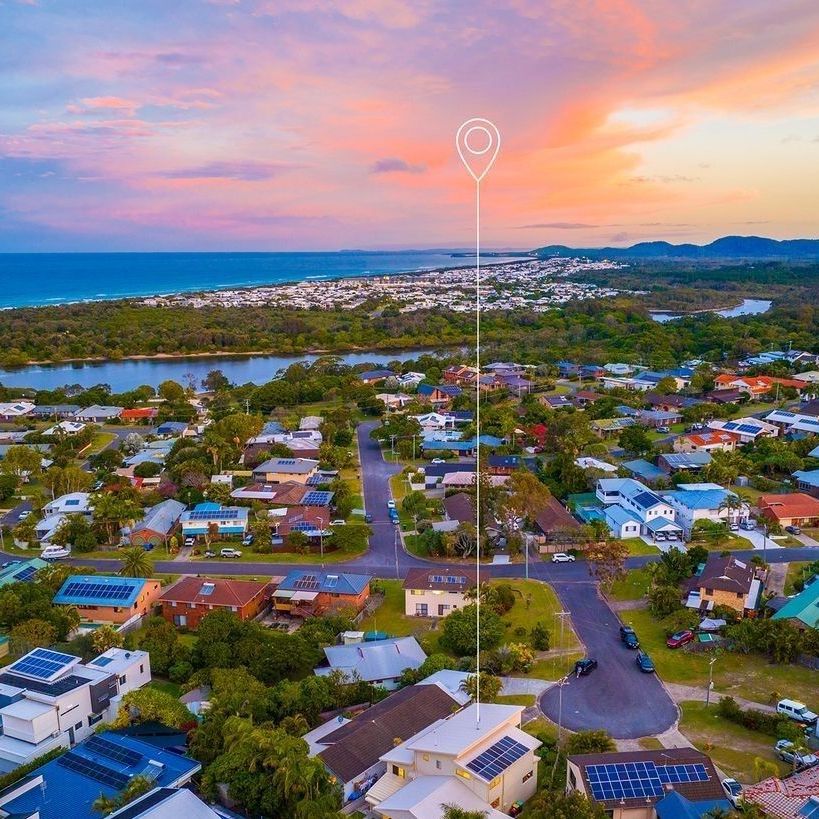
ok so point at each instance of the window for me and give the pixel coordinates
(739, 595)
(530, 774)
(495, 782)
(397, 771)
(78, 726)
(438, 764)
(572, 778)
(141, 669)
(122, 680)
(709, 591)
(421, 610)
(443, 610)
(426, 757)
(94, 719)
(463, 774)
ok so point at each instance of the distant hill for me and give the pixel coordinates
(728, 247)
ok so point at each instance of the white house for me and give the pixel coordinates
(434, 421)
(748, 429)
(410, 379)
(694, 502)
(628, 503)
(74, 503)
(435, 592)
(380, 662)
(477, 758)
(53, 700)
(66, 428)
(13, 411)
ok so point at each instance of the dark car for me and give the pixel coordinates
(679, 638)
(793, 530)
(585, 666)
(644, 662)
(629, 636)
(368, 518)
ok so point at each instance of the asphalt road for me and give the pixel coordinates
(12, 517)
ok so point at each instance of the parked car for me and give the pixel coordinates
(368, 518)
(749, 524)
(247, 540)
(24, 514)
(338, 522)
(679, 638)
(55, 553)
(229, 553)
(438, 461)
(787, 752)
(732, 790)
(664, 429)
(189, 541)
(644, 663)
(795, 710)
(629, 636)
(209, 553)
(793, 530)
(562, 557)
(733, 526)
(585, 666)
(390, 504)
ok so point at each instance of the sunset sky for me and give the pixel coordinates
(310, 124)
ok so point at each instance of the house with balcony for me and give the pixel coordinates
(435, 592)
(631, 509)
(305, 593)
(215, 520)
(694, 502)
(477, 758)
(49, 699)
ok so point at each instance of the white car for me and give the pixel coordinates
(230, 553)
(733, 791)
(24, 514)
(438, 461)
(390, 504)
(562, 557)
(338, 522)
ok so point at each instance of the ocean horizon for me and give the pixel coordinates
(48, 279)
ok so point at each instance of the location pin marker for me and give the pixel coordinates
(478, 143)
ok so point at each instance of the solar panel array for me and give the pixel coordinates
(638, 780)
(105, 591)
(222, 514)
(450, 579)
(317, 498)
(207, 589)
(646, 499)
(26, 574)
(42, 664)
(93, 770)
(497, 758)
(308, 582)
(303, 526)
(105, 747)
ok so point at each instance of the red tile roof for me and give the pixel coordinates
(225, 592)
(792, 505)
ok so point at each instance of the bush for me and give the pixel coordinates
(680, 620)
(540, 637)
(755, 720)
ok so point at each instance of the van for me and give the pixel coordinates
(795, 710)
(55, 553)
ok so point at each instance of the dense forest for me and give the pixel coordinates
(616, 328)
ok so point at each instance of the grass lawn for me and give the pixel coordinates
(637, 546)
(516, 699)
(732, 747)
(98, 443)
(631, 587)
(650, 743)
(398, 487)
(172, 688)
(542, 606)
(541, 727)
(742, 675)
(795, 571)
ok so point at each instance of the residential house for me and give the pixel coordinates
(15, 410)
(583, 398)
(161, 803)
(612, 383)
(97, 414)
(312, 521)
(707, 441)
(191, 598)
(21, 571)
(627, 502)
(567, 369)
(726, 581)
(302, 443)
(790, 509)
(478, 758)
(671, 462)
(139, 414)
(755, 386)
(619, 369)
(670, 783)
(795, 796)
(595, 464)
(374, 376)
(658, 418)
(157, 524)
(670, 403)
(103, 766)
(410, 379)
(644, 470)
(435, 592)
(65, 428)
(440, 394)
(791, 357)
(173, 429)
(74, 503)
(351, 750)
(807, 481)
(381, 662)
(809, 377)
(460, 374)
(727, 396)
(748, 429)
(793, 422)
(591, 371)
(286, 470)
(304, 593)
(109, 599)
(52, 700)
(515, 384)
(287, 493)
(394, 401)
(555, 528)
(802, 611)
(54, 412)
(554, 401)
(214, 519)
(695, 502)
(459, 508)
(605, 427)
(507, 464)
(434, 421)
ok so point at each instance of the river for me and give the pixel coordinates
(130, 373)
(749, 307)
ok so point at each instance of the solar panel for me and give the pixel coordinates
(497, 758)
(317, 498)
(113, 751)
(638, 780)
(303, 526)
(221, 514)
(106, 591)
(207, 588)
(646, 499)
(332, 581)
(307, 581)
(102, 661)
(42, 664)
(93, 770)
(26, 574)
(749, 428)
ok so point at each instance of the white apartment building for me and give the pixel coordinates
(481, 765)
(49, 699)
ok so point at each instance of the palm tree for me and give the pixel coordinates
(732, 503)
(136, 563)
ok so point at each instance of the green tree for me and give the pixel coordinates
(460, 630)
(105, 637)
(171, 391)
(8, 486)
(138, 786)
(77, 532)
(62, 480)
(151, 705)
(540, 637)
(664, 600)
(22, 462)
(112, 510)
(31, 634)
(546, 804)
(136, 563)
(490, 686)
(161, 640)
(589, 742)
(667, 385)
(457, 812)
(606, 560)
(635, 439)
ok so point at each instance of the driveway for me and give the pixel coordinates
(616, 696)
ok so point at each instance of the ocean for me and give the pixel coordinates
(41, 279)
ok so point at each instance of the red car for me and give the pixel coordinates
(680, 638)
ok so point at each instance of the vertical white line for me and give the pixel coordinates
(478, 450)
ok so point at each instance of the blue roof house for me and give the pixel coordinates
(227, 520)
(67, 787)
(693, 502)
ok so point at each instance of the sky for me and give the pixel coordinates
(316, 125)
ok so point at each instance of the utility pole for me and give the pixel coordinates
(560, 683)
(397, 575)
(710, 681)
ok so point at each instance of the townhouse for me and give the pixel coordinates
(436, 592)
(49, 699)
(478, 758)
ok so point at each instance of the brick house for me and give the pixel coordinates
(435, 592)
(726, 581)
(305, 593)
(190, 599)
(792, 509)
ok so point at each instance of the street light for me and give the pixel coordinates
(710, 681)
